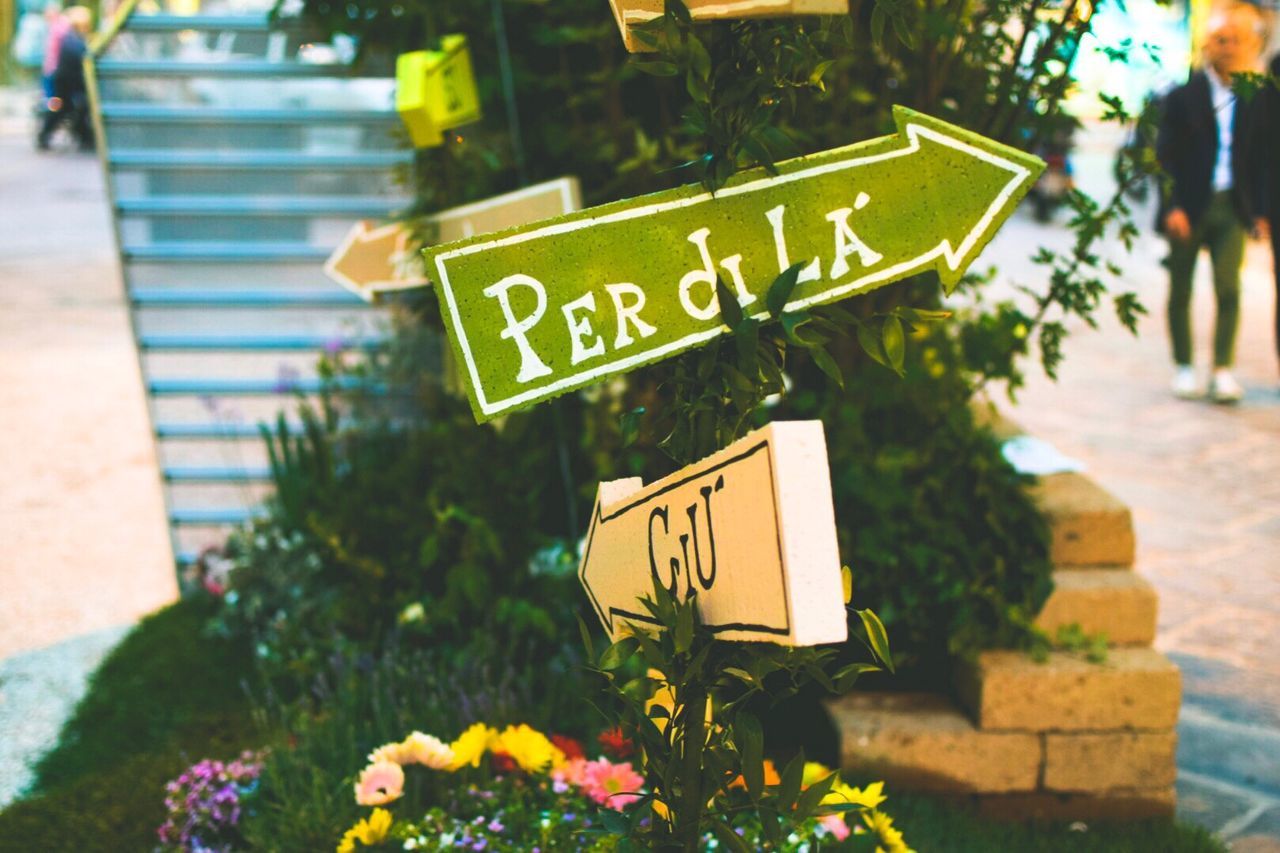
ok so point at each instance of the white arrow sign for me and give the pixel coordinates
(750, 530)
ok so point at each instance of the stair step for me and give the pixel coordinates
(216, 432)
(220, 68)
(252, 387)
(255, 343)
(236, 298)
(229, 205)
(160, 158)
(224, 251)
(215, 474)
(195, 114)
(214, 517)
(140, 23)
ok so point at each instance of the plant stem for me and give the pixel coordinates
(692, 802)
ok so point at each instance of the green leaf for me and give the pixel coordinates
(657, 68)
(728, 838)
(892, 338)
(780, 291)
(630, 425)
(750, 739)
(699, 59)
(618, 653)
(586, 638)
(827, 365)
(871, 343)
(684, 629)
(789, 787)
(878, 637)
(812, 796)
(730, 310)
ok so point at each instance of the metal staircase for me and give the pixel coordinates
(238, 153)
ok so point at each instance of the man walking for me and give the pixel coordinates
(1212, 199)
(1267, 153)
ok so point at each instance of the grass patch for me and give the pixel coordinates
(933, 825)
(166, 697)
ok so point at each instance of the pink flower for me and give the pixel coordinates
(379, 783)
(614, 785)
(835, 824)
(572, 772)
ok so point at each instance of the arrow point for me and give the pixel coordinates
(994, 178)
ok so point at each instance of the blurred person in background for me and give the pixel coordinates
(58, 26)
(70, 101)
(1212, 198)
(1268, 158)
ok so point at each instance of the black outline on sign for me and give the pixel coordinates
(599, 518)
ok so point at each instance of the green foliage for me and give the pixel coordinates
(398, 516)
(166, 697)
(709, 734)
(942, 540)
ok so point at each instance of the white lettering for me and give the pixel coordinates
(848, 243)
(531, 367)
(628, 312)
(811, 271)
(581, 328)
(707, 276)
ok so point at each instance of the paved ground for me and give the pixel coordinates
(1204, 485)
(83, 542)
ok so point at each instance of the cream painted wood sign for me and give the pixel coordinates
(378, 259)
(540, 310)
(629, 13)
(750, 530)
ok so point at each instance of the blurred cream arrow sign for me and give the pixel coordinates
(377, 259)
(373, 260)
(750, 530)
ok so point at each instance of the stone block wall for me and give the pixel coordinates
(1063, 739)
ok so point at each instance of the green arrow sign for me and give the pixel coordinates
(543, 309)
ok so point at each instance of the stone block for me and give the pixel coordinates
(1135, 688)
(924, 742)
(1116, 602)
(1090, 526)
(1123, 804)
(1109, 760)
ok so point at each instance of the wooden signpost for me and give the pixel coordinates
(629, 13)
(436, 91)
(540, 310)
(750, 530)
(373, 259)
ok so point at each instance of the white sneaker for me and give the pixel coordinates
(1184, 383)
(1224, 388)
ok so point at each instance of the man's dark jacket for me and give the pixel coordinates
(1266, 150)
(1187, 148)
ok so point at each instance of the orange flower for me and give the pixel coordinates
(771, 777)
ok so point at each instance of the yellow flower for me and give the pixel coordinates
(389, 752)
(891, 840)
(429, 751)
(868, 797)
(368, 831)
(529, 748)
(470, 746)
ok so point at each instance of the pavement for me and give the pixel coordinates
(85, 549)
(1203, 482)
